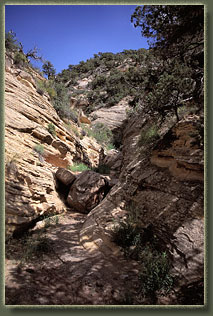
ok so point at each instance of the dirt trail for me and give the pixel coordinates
(68, 274)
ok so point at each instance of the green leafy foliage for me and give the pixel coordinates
(75, 130)
(59, 96)
(46, 86)
(51, 129)
(39, 148)
(11, 42)
(127, 235)
(61, 102)
(105, 90)
(154, 275)
(171, 28)
(173, 86)
(48, 69)
(78, 167)
(102, 134)
(148, 135)
(20, 59)
(144, 246)
(35, 247)
(177, 37)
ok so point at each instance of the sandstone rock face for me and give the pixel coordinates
(87, 191)
(166, 186)
(32, 154)
(26, 78)
(113, 117)
(180, 151)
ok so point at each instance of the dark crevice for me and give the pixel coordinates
(62, 189)
(19, 232)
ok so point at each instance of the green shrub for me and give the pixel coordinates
(20, 59)
(154, 275)
(87, 130)
(11, 42)
(110, 146)
(75, 130)
(61, 102)
(148, 135)
(43, 86)
(51, 129)
(102, 134)
(73, 115)
(78, 167)
(51, 91)
(145, 247)
(34, 246)
(39, 149)
(50, 220)
(126, 235)
(40, 88)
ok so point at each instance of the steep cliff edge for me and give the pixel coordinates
(32, 153)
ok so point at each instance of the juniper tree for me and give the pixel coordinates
(176, 36)
(48, 69)
(11, 42)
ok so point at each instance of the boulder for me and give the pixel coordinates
(65, 176)
(87, 191)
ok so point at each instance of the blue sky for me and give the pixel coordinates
(67, 34)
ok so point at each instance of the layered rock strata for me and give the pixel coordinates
(32, 153)
(165, 185)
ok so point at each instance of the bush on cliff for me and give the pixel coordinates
(102, 134)
(11, 42)
(20, 59)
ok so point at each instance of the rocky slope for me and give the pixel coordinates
(32, 153)
(165, 185)
(161, 177)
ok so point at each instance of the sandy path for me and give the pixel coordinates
(68, 274)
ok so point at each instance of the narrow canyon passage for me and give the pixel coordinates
(67, 274)
(104, 196)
